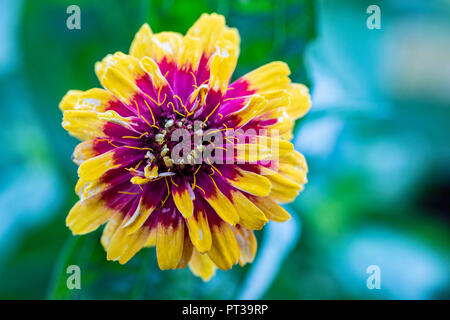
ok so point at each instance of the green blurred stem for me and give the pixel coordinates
(77, 251)
(59, 273)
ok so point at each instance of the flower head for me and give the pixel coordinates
(175, 156)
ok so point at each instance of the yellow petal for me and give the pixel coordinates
(94, 100)
(250, 182)
(252, 152)
(70, 100)
(198, 94)
(293, 173)
(94, 168)
(300, 102)
(125, 64)
(278, 147)
(283, 128)
(83, 151)
(111, 227)
(190, 53)
(224, 250)
(274, 114)
(140, 219)
(278, 180)
(113, 117)
(283, 195)
(85, 189)
(274, 75)
(278, 98)
(119, 85)
(251, 217)
(202, 266)
(222, 65)
(145, 209)
(295, 158)
(247, 245)
(152, 69)
(271, 209)
(289, 135)
(187, 253)
(254, 105)
(199, 231)
(166, 45)
(183, 196)
(222, 205)
(81, 185)
(83, 124)
(129, 219)
(232, 35)
(124, 246)
(209, 28)
(142, 43)
(87, 215)
(169, 244)
(183, 201)
(151, 240)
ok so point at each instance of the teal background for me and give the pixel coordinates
(376, 140)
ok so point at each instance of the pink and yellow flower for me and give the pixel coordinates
(196, 213)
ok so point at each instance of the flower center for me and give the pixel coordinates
(176, 144)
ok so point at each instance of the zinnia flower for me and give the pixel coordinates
(198, 206)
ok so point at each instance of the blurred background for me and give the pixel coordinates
(376, 140)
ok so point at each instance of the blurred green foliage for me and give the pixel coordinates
(378, 153)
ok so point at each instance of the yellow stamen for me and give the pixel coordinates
(146, 121)
(212, 112)
(181, 102)
(159, 93)
(173, 108)
(194, 183)
(164, 100)
(133, 137)
(110, 142)
(216, 170)
(226, 138)
(213, 182)
(195, 79)
(201, 189)
(216, 130)
(153, 100)
(137, 166)
(168, 192)
(174, 182)
(126, 192)
(137, 108)
(139, 180)
(235, 98)
(138, 148)
(151, 112)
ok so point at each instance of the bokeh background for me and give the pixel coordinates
(376, 140)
